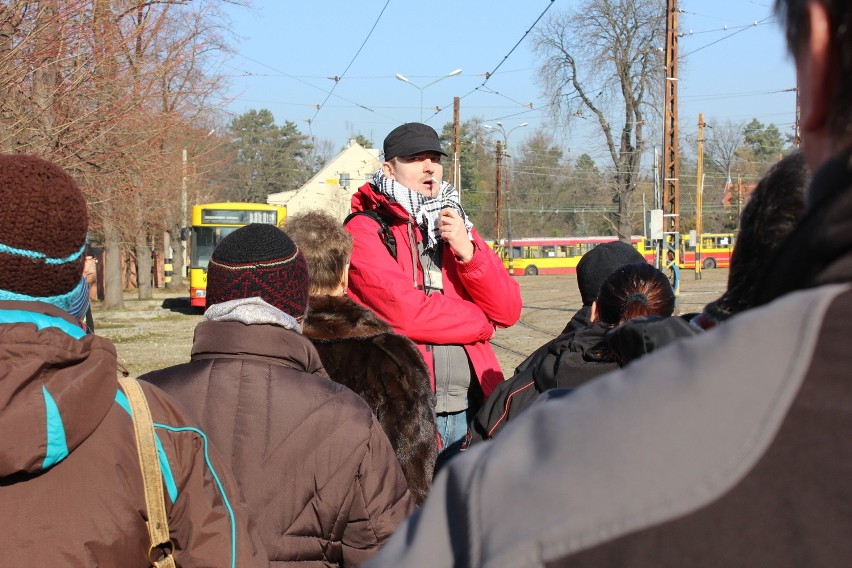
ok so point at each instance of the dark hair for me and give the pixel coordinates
(794, 15)
(326, 246)
(634, 290)
(773, 210)
(600, 262)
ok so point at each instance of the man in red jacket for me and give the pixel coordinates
(422, 267)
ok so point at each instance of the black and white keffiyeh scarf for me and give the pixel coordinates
(425, 210)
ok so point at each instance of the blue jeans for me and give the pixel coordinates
(452, 426)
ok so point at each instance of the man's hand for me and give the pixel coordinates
(454, 234)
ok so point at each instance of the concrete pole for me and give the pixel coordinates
(498, 193)
(456, 177)
(699, 196)
(184, 207)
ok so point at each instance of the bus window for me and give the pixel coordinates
(212, 222)
(204, 241)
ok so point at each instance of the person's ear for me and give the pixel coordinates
(593, 317)
(814, 65)
(387, 169)
(344, 279)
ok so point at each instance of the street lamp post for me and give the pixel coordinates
(404, 79)
(508, 157)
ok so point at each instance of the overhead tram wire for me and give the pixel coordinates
(336, 78)
(719, 96)
(311, 85)
(751, 26)
(505, 57)
(498, 93)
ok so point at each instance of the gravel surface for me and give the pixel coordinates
(152, 334)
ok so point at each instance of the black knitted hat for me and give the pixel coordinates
(259, 260)
(42, 229)
(597, 264)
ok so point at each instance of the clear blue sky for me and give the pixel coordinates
(733, 69)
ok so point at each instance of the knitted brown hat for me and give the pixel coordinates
(259, 260)
(42, 229)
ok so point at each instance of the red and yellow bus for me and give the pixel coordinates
(531, 256)
(716, 249)
(212, 222)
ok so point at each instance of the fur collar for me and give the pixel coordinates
(339, 317)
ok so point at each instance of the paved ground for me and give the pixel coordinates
(152, 334)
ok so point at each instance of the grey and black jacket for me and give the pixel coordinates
(730, 448)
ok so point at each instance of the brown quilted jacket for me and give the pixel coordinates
(318, 474)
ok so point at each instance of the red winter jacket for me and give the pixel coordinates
(478, 295)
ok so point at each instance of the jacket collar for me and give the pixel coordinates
(42, 315)
(270, 343)
(337, 317)
(368, 198)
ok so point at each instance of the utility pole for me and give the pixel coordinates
(739, 198)
(509, 208)
(184, 212)
(671, 151)
(796, 127)
(498, 193)
(699, 196)
(456, 177)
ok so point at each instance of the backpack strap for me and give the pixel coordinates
(158, 524)
(384, 231)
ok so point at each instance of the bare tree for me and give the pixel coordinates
(605, 58)
(112, 90)
(322, 151)
(722, 142)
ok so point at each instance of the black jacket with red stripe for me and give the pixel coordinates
(566, 362)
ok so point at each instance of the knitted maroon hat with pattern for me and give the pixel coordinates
(259, 260)
(42, 230)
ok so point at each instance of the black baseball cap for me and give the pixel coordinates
(411, 138)
(596, 265)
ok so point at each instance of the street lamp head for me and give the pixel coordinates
(403, 78)
(488, 126)
(523, 124)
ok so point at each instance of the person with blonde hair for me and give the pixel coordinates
(361, 351)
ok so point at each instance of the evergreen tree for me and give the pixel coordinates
(476, 162)
(538, 192)
(764, 144)
(266, 158)
(363, 141)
